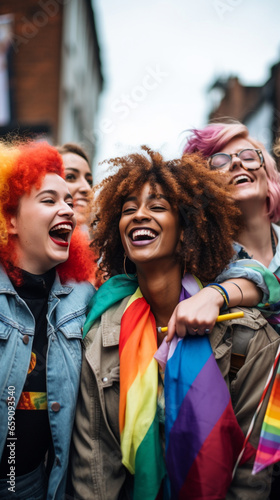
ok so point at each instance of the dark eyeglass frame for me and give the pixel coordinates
(230, 156)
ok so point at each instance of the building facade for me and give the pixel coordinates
(257, 107)
(50, 70)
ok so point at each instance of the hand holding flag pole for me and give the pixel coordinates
(221, 317)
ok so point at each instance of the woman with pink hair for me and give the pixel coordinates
(251, 169)
(248, 166)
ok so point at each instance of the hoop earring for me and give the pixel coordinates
(129, 277)
(184, 266)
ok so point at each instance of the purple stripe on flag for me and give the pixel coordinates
(268, 446)
(268, 435)
(199, 412)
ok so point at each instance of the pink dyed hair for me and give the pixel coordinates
(216, 136)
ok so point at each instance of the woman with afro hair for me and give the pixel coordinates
(44, 294)
(163, 231)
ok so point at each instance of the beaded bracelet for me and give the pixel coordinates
(222, 291)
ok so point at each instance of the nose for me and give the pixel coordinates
(84, 186)
(141, 214)
(66, 210)
(235, 162)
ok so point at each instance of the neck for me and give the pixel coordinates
(253, 209)
(161, 289)
(256, 238)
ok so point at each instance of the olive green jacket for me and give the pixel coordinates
(97, 470)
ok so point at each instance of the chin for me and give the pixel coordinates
(60, 259)
(243, 196)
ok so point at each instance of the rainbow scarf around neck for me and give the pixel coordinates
(139, 427)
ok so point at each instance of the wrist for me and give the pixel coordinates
(215, 297)
(223, 294)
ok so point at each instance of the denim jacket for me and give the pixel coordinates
(67, 307)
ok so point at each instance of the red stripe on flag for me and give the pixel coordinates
(210, 475)
(130, 318)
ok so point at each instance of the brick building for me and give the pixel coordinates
(258, 107)
(50, 69)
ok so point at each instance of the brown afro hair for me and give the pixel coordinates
(209, 218)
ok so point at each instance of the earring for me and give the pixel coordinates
(129, 277)
(185, 266)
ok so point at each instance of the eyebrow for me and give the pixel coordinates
(54, 193)
(150, 197)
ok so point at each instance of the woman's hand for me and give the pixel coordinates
(196, 315)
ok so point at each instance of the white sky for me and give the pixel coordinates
(160, 56)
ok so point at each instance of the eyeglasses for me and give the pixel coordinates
(251, 159)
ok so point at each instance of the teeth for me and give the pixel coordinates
(143, 232)
(68, 227)
(240, 179)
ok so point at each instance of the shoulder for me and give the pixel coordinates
(251, 338)
(252, 318)
(250, 329)
(78, 293)
(5, 281)
(83, 287)
(107, 326)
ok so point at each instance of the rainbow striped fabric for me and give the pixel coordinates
(268, 451)
(203, 437)
(139, 427)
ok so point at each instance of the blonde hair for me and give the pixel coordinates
(8, 156)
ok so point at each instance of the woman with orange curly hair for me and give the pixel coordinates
(43, 302)
(168, 226)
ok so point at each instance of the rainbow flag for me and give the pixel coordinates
(203, 437)
(210, 440)
(268, 451)
(139, 427)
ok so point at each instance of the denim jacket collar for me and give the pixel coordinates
(58, 288)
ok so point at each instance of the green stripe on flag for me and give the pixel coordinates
(149, 465)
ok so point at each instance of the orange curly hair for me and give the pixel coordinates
(22, 167)
(208, 215)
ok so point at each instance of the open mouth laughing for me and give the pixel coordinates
(241, 179)
(142, 236)
(60, 233)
